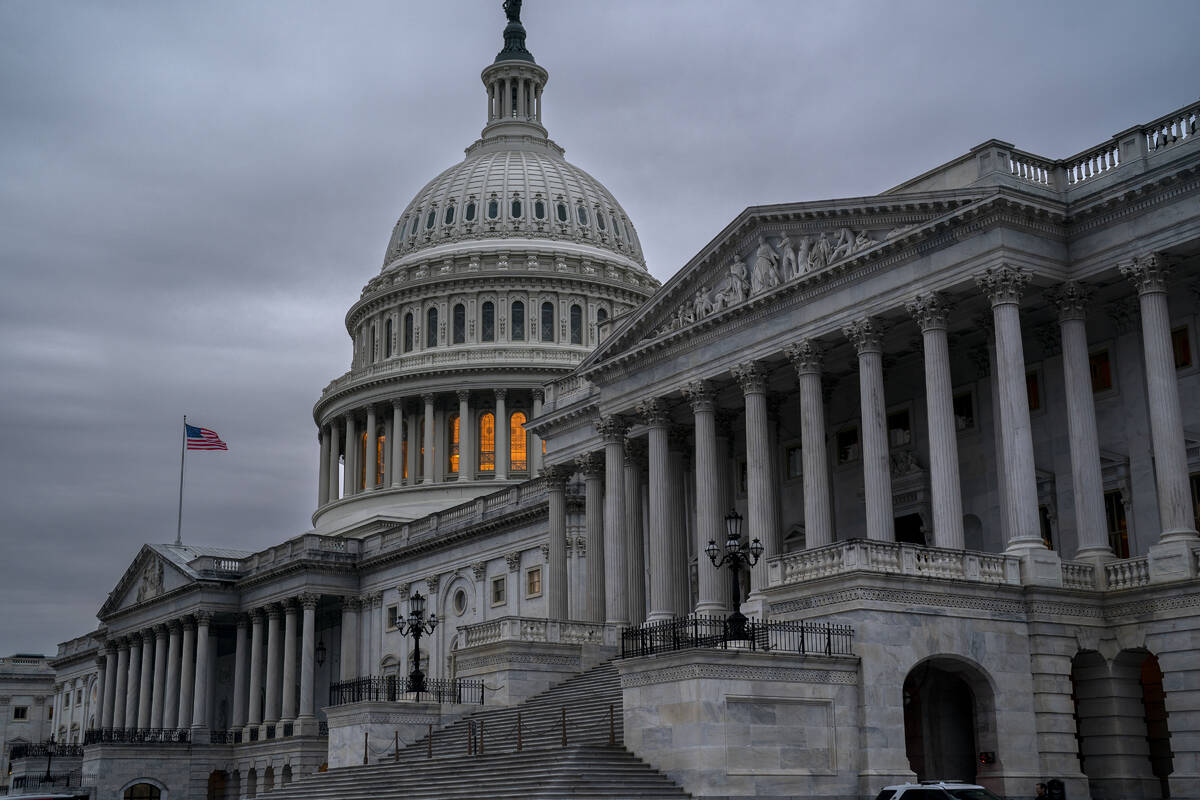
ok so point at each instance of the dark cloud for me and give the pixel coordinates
(192, 195)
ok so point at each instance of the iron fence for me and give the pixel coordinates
(686, 633)
(28, 783)
(225, 737)
(393, 688)
(137, 736)
(44, 750)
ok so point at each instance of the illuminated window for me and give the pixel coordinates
(547, 322)
(487, 442)
(380, 451)
(488, 322)
(387, 338)
(460, 323)
(362, 460)
(453, 448)
(576, 324)
(1101, 367)
(518, 447)
(431, 328)
(408, 332)
(404, 459)
(1034, 391)
(499, 593)
(1181, 345)
(1118, 527)
(533, 582)
(518, 321)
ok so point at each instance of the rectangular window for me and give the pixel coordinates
(1195, 479)
(1181, 345)
(393, 617)
(1101, 368)
(964, 411)
(899, 426)
(1047, 528)
(847, 445)
(1033, 390)
(533, 582)
(795, 461)
(499, 591)
(22, 712)
(1118, 529)
(78, 697)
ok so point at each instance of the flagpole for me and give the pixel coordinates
(182, 452)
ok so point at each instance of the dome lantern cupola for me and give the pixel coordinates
(514, 84)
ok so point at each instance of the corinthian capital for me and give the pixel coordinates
(1003, 284)
(653, 411)
(700, 394)
(611, 428)
(865, 334)
(556, 476)
(805, 356)
(751, 377)
(1148, 273)
(590, 464)
(1071, 298)
(929, 311)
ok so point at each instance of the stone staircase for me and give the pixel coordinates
(477, 756)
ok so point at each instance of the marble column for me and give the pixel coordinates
(108, 684)
(350, 467)
(385, 454)
(146, 680)
(616, 568)
(254, 704)
(677, 522)
(466, 441)
(274, 635)
(414, 447)
(308, 650)
(1149, 275)
(135, 671)
(502, 454)
(372, 459)
(591, 466)
(1091, 528)
(288, 689)
(335, 435)
(103, 669)
(709, 514)
(396, 442)
(120, 684)
(200, 695)
(866, 336)
(240, 658)
(761, 487)
(535, 441)
(556, 477)
(662, 589)
(187, 674)
(635, 560)
(1003, 285)
(349, 662)
(323, 469)
(427, 474)
(171, 698)
(930, 313)
(806, 357)
(159, 689)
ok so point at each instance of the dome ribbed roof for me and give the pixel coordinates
(524, 193)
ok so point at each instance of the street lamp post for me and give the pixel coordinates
(736, 554)
(51, 747)
(417, 626)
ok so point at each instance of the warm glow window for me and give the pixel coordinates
(487, 321)
(518, 443)
(453, 448)
(518, 321)
(460, 323)
(547, 322)
(533, 582)
(431, 327)
(487, 442)
(576, 324)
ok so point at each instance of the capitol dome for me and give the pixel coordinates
(500, 275)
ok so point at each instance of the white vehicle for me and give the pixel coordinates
(936, 790)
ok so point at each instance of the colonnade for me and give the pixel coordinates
(614, 570)
(264, 689)
(396, 456)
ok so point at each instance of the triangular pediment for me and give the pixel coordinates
(768, 250)
(148, 577)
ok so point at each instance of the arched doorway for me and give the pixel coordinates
(217, 782)
(142, 791)
(949, 719)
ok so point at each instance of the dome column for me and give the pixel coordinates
(349, 471)
(333, 490)
(323, 468)
(535, 441)
(370, 470)
(466, 449)
(396, 442)
(502, 454)
(414, 450)
(427, 476)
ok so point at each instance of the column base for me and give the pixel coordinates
(1173, 560)
(711, 610)
(1097, 557)
(306, 726)
(1039, 566)
(755, 606)
(199, 734)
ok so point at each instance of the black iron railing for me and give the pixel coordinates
(137, 736)
(28, 783)
(393, 688)
(686, 633)
(322, 728)
(225, 737)
(44, 749)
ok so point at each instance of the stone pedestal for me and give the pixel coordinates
(1173, 560)
(1039, 566)
(379, 724)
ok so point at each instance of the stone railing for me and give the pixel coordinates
(1172, 128)
(565, 391)
(1029, 167)
(1128, 573)
(309, 546)
(891, 558)
(1078, 575)
(534, 629)
(566, 356)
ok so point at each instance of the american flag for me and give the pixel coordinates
(203, 439)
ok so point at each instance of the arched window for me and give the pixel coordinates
(518, 321)
(374, 343)
(601, 316)
(431, 331)
(561, 210)
(452, 450)
(518, 447)
(487, 323)
(469, 214)
(449, 217)
(487, 442)
(581, 214)
(142, 791)
(493, 208)
(430, 218)
(617, 226)
(539, 209)
(516, 208)
(387, 338)
(576, 324)
(412, 229)
(547, 322)
(408, 332)
(600, 220)
(460, 323)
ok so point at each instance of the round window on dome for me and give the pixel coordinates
(581, 213)
(562, 212)
(449, 218)
(516, 208)
(460, 602)
(430, 218)
(493, 208)
(539, 210)
(469, 214)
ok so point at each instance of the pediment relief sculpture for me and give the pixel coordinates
(150, 585)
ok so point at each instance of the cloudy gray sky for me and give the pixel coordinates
(192, 195)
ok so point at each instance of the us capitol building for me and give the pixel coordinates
(957, 423)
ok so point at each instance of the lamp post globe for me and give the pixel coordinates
(416, 626)
(736, 555)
